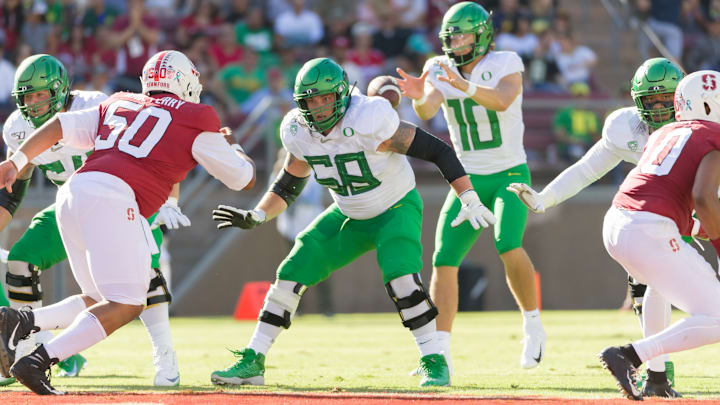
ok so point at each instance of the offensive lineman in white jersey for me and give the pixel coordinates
(356, 147)
(480, 93)
(42, 90)
(624, 136)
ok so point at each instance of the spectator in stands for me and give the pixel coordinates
(504, 15)
(136, 38)
(224, 49)
(96, 14)
(411, 13)
(520, 39)
(236, 10)
(7, 71)
(575, 128)
(340, 49)
(241, 80)
(542, 68)
(253, 33)
(12, 18)
(282, 98)
(35, 30)
(664, 19)
(100, 80)
(76, 55)
(390, 39)
(574, 61)
(289, 65)
(203, 18)
(333, 11)
(543, 14)
(105, 54)
(299, 26)
(367, 59)
(706, 52)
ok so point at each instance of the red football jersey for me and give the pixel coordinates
(663, 180)
(147, 141)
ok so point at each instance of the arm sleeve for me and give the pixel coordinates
(599, 160)
(80, 127)
(217, 157)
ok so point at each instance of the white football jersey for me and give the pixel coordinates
(59, 162)
(363, 182)
(625, 134)
(624, 137)
(485, 141)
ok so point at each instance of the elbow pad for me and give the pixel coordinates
(288, 187)
(428, 147)
(11, 201)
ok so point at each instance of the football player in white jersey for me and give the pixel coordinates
(624, 135)
(356, 146)
(480, 93)
(41, 90)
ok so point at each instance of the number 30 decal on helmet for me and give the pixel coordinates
(172, 72)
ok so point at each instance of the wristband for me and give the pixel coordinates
(470, 91)
(421, 100)
(19, 159)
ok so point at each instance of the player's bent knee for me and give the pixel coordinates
(637, 290)
(281, 302)
(23, 280)
(415, 307)
(158, 293)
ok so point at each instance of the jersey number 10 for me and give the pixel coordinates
(468, 126)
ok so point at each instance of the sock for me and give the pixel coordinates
(43, 336)
(83, 333)
(632, 355)
(655, 318)
(531, 320)
(60, 315)
(657, 377)
(157, 324)
(426, 339)
(263, 337)
(443, 338)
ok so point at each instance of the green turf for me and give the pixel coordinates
(374, 353)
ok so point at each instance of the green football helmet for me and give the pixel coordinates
(655, 76)
(36, 73)
(466, 18)
(322, 76)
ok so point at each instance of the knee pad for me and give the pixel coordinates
(281, 302)
(415, 307)
(25, 277)
(158, 291)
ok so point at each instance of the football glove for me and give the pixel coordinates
(230, 216)
(528, 196)
(473, 211)
(170, 215)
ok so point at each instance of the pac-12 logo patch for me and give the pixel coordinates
(633, 146)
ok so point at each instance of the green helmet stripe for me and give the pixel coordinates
(37, 73)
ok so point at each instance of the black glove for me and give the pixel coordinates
(230, 216)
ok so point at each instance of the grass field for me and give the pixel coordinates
(373, 353)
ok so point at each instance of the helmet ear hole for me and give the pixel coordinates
(707, 109)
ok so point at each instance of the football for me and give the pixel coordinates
(386, 87)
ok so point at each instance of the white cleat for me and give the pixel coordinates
(533, 348)
(166, 368)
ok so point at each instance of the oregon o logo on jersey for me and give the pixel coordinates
(487, 75)
(349, 133)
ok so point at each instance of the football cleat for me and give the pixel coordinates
(248, 369)
(166, 368)
(33, 371)
(7, 381)
(663, 390)
(434, 371)
(71, 366)
(14, 326)
(669, 373)
(622, 369)
(533, 348)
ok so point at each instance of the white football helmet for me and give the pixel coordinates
(697, 97)
(172, 72)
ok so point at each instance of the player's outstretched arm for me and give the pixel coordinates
(283, 192)
(704, 194)
(426, 99)
(413, 141)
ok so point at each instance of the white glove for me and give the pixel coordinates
(474, 211)
(170, 215)
(528, 196)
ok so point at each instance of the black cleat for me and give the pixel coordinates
(33, 371)
(622, 369)
(663, 390)
(14, 326)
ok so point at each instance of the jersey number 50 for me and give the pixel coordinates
(119, 125)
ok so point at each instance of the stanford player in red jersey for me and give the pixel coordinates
(679, 171)
(144, 143)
